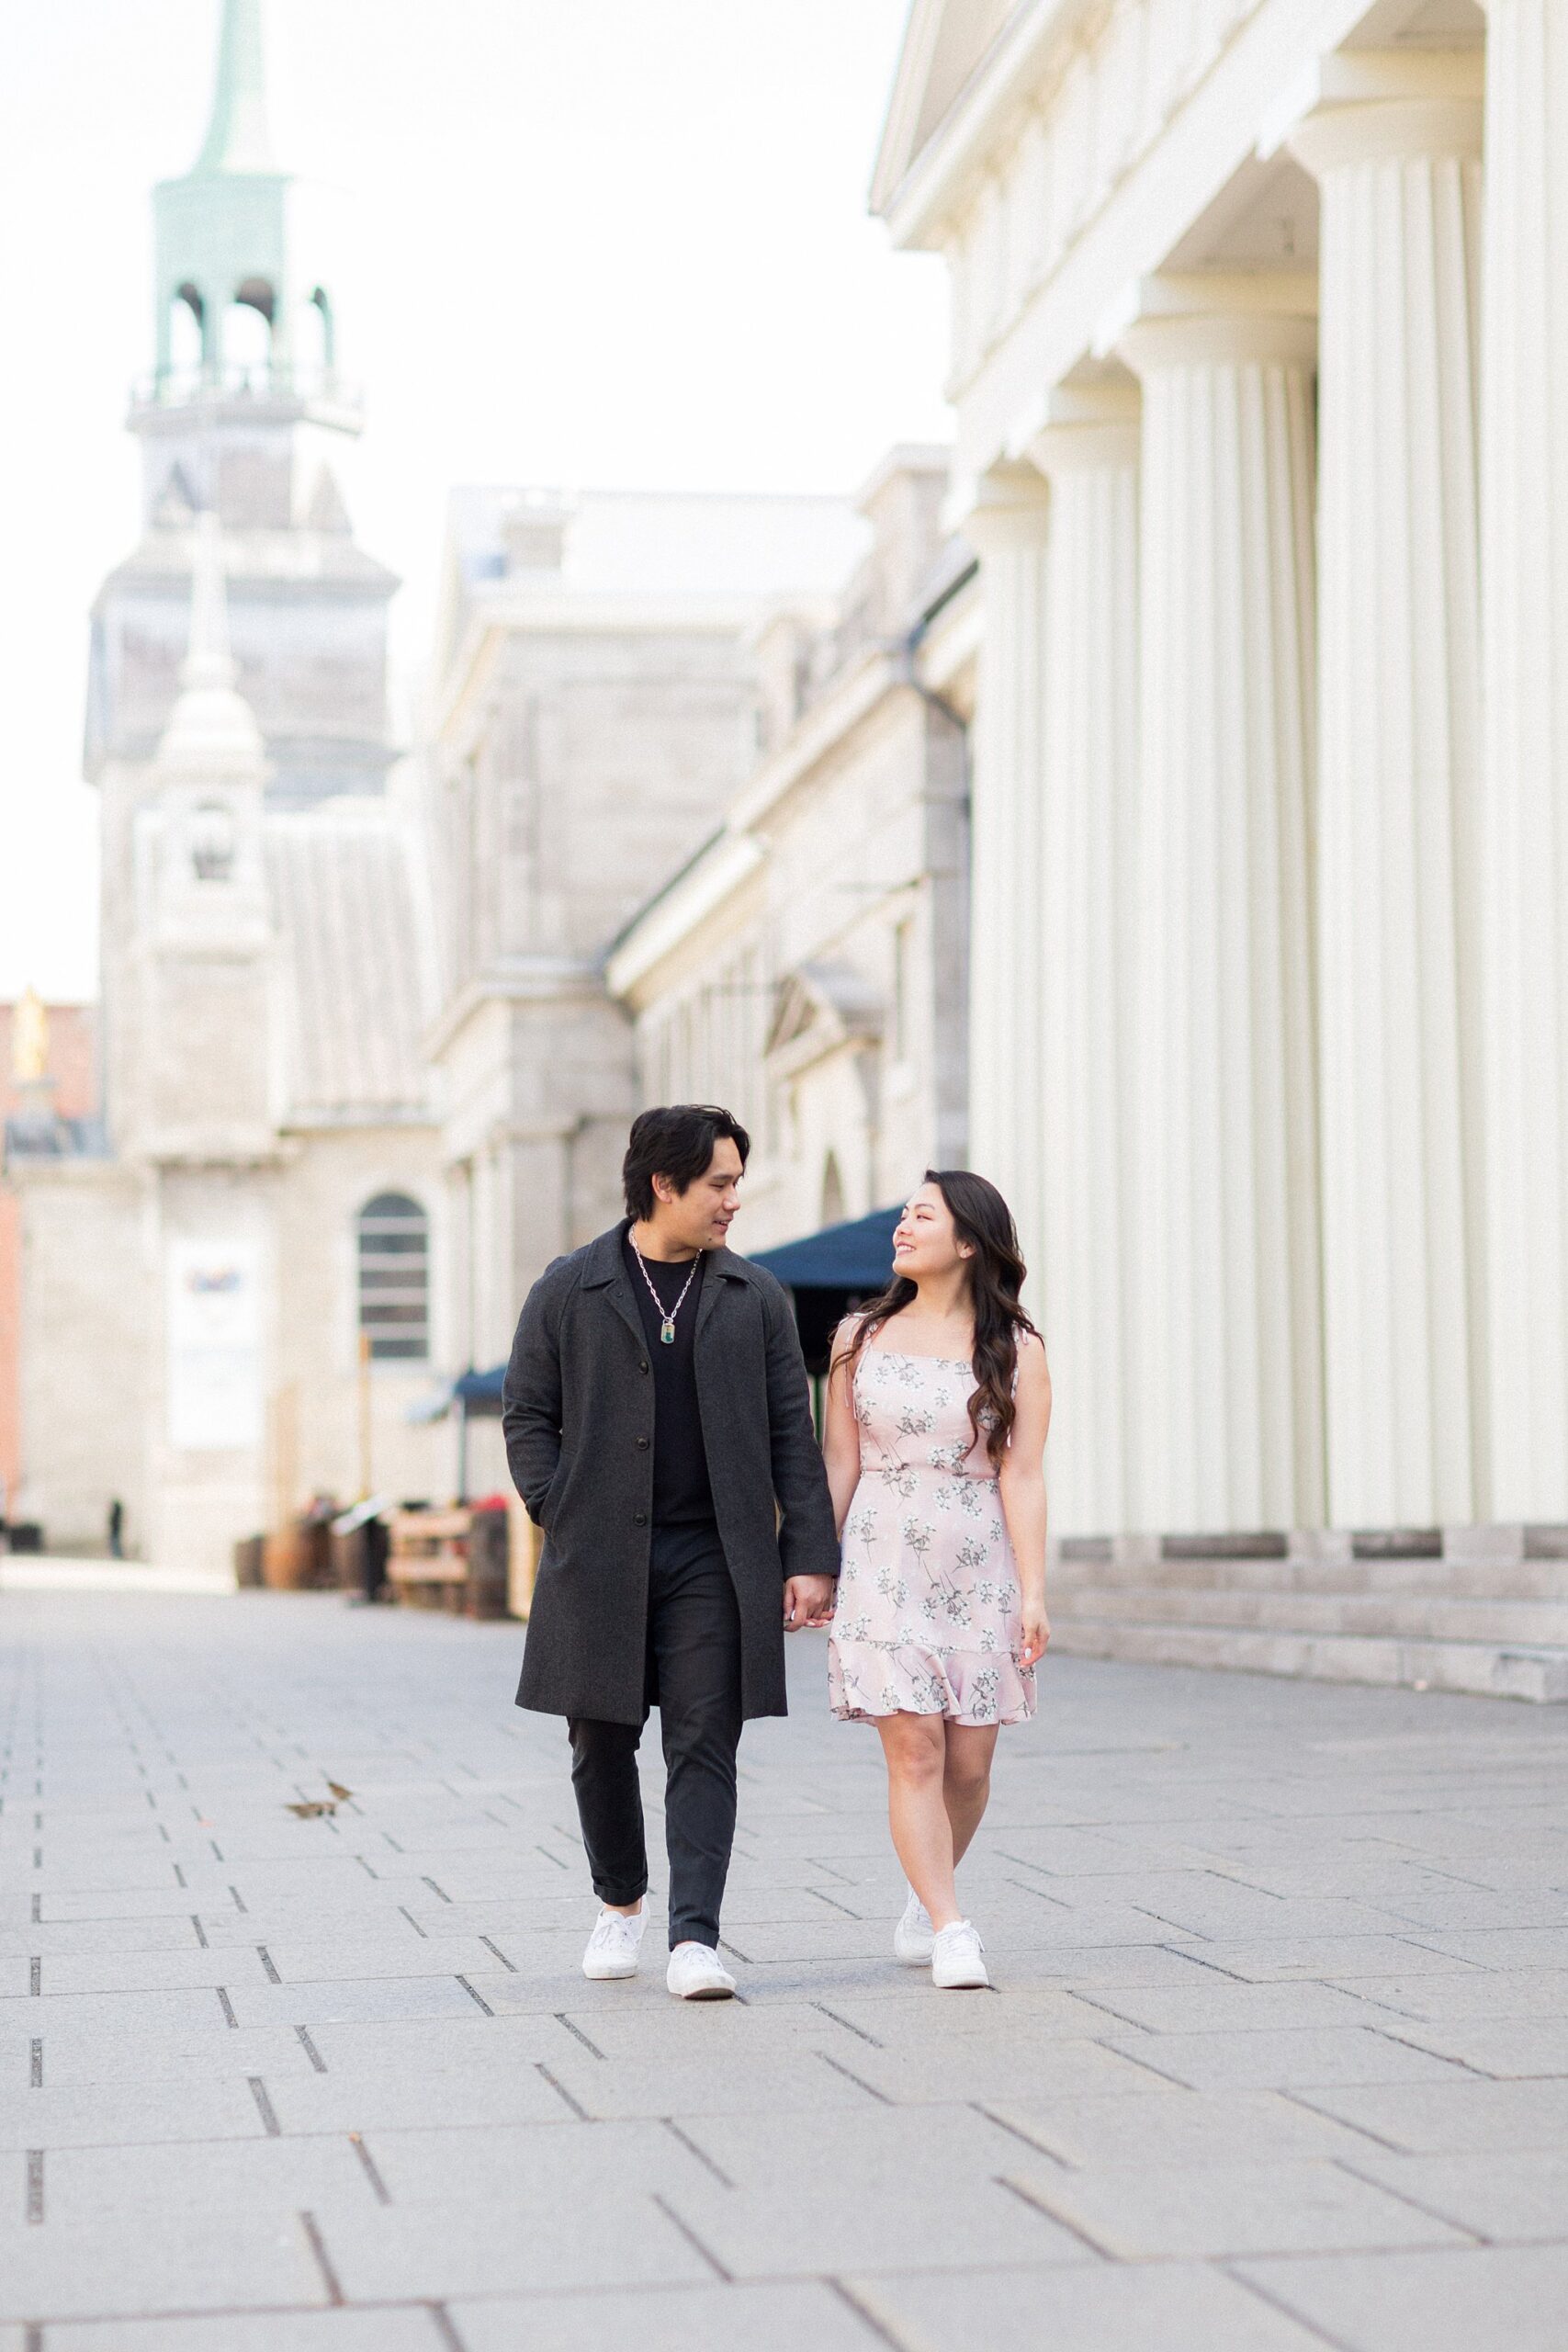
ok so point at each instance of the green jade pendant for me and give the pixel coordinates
(667, 1330)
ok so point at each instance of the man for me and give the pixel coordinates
(659, 1428)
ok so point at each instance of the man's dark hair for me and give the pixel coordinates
(677, 1141)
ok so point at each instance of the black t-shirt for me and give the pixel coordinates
(682, 1495)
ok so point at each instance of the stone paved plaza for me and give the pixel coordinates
(1277, 2056)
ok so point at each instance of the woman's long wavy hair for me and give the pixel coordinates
(983, 1219)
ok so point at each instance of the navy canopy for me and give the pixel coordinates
(857, 1256)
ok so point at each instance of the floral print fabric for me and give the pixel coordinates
(926, 1620)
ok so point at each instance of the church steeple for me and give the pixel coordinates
(237, 138)
(244, 253)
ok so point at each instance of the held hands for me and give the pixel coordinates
(808, 1600)
(1035, 1632)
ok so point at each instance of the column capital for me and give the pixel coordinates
(1086, 427)
(1374, 106)
(1225, 319)
(1010, 508)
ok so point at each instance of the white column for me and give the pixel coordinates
(1524, 474)
(1089, 454)
(1226, 1332)
(1006, 947)
(1398, 800)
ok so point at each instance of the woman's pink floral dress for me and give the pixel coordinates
(927, 1618)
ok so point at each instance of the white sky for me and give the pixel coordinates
(599, 241)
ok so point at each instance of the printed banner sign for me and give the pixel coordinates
(214, 1344)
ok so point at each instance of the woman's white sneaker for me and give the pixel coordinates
(698, 1973)
(958, 1959)
(615, 1946)
(914, 1935)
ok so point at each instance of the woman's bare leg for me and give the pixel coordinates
(966, 1781)
(916, 1753)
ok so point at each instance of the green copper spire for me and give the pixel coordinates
(237, 137)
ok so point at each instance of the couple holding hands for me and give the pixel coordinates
(659, 1428)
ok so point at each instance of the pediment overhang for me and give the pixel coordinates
(821, 1008)
(944, 43)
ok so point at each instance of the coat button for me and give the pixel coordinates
(642, 1445)
(640, 1518)
(643, 1365)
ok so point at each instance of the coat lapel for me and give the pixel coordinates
(722, 1266)
(607, 1271)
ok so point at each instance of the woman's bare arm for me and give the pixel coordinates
(1022, 1482)
(840, 1432)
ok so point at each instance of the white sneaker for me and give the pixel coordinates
(615, 1945)
(696, 1974)
(958, 1959)
(914, 1935)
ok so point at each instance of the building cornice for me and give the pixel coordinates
(719, 870)
(522, 979)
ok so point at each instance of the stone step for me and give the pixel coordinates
(1542, 1580)
(1397, 1616)
(1485, 1669)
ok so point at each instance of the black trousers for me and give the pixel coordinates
(692, 1676)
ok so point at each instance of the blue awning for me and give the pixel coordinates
(478, 1393)
(857, 1256)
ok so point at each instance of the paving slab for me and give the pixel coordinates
(1519, 2196)
(1348, 2053)
(1256, 1947)
(1147, 2211)
(388, 2328)
(1481, 2300)
(1162, 2307)
(779, 2317)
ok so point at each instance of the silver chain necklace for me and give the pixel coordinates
(667, 1314)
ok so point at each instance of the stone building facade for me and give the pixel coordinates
(595, 707)
(49, 1097)
(808, 967)
(261, 1210)
(1259, 316)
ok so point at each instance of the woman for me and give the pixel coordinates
(938, 1405)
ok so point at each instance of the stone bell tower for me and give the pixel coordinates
(248, 413)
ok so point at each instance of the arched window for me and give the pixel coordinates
(188, 333)
(394, 1234)
(247, 335)
(212, 842)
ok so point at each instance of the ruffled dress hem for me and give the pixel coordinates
(870, 1679)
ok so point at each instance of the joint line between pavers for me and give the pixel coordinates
(576, 2032)
(309, 2047)
(561, 2089)
(695, 2148)
(35, 2184)
(848, 2025)
(1298, 2098)
(873, 2318)
(323, 2260)
(850, 2076)
(265, 2107)
(35, 2062)
(446, 2327)
(479, 1997)
(382, 2193)
(413, 1923)
(1431, 2212)
(491, 1945)
(1065, 2221)
(1016, 2131)
(1287, 2310)
(714, 2265)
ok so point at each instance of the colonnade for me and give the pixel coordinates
(1270, 981)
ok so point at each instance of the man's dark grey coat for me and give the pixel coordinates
(577, 1413)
